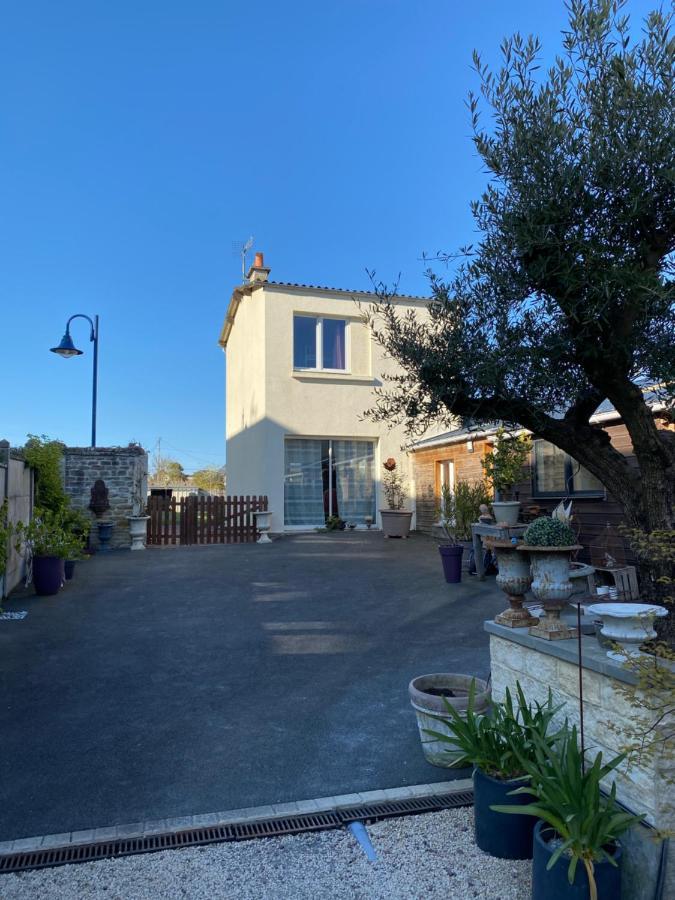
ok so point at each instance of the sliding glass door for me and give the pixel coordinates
(328, 478)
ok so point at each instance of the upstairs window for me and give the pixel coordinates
(319, 344)
(557, 475)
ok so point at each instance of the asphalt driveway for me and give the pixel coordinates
(189, 680)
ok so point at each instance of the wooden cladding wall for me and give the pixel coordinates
(592, 513)
(426, 465)
(203, 520)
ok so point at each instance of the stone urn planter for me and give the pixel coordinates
(263, 523)
(395, 522)
(105, 530)
(551, 585)
(138, 530)
(514, 578)
(506, 511)
(427, 693)
(627, 624)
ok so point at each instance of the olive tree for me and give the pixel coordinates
(567, 298)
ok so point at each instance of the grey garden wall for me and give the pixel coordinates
(125, 473)
(16, 485)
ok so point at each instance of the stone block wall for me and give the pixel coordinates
(645, 787)
(125, 473)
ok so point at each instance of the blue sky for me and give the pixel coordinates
(139, 139)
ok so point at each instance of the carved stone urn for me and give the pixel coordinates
(628, 625)
(514, 579)
(551, 585)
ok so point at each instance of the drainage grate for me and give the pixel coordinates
(238, 831)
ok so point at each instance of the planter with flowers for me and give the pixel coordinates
(395, 519)
(47, 545)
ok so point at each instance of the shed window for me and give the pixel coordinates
(556, 474)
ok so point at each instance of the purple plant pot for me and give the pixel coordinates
(451, 557)
(48, 575)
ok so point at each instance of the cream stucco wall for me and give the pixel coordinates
(268, 401)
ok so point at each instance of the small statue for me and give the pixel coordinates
(485, 517)
(99, 498)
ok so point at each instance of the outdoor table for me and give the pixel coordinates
(497, 533)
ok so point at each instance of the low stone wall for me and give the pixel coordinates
(17, 486)
(644, 788)
(125, 473)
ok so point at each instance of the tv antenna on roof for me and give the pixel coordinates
(241, 248)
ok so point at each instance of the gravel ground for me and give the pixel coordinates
(429, 856)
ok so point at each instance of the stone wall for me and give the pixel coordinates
(17, 486)
(125, 473)
(645, 788)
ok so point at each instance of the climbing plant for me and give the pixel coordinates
(45, 456)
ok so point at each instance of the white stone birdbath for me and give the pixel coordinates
(627, 624)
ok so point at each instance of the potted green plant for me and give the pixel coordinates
(395, 519)
(496, 746)
(578, 823)
(77, 526)
(450, 549)
(504, 468)
(549, 543)
(47, 544)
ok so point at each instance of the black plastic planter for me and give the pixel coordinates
(501, 834)
(47, 575)
(554, 884)
(451, 557)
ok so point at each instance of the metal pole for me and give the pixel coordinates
(95, 384)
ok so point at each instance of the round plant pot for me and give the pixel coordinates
(553, 883)
(48, 575)
(501, 834)
(138, 531)
(69, 569)
(506, 511)
(627, 624)
(104, 534)
(426, 694)
(395, 522)
(451, 557)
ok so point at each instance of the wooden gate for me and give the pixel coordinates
(203, 520)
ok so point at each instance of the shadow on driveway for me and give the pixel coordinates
(191, 680)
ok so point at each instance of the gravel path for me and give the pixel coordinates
(430, 856)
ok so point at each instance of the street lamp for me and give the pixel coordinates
(67, 349)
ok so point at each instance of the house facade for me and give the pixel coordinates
(550, 477)
(301, 367)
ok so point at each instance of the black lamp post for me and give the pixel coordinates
(67, 349)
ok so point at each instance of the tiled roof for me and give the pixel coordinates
(322, 287)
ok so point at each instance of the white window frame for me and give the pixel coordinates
(319, 320)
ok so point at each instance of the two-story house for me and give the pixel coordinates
(301, 366)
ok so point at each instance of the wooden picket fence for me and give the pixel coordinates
(203, 520)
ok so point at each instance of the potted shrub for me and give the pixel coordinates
(395, 519)
(47, 543)
(76, 525)
(504, 468)
(496, 746)
(577, 822)
(451, 550)
(549, 543)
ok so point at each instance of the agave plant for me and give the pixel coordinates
(567, 797)
(498, 744)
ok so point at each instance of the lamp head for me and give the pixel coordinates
(66, 348)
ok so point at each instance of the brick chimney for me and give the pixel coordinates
(258, 271)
